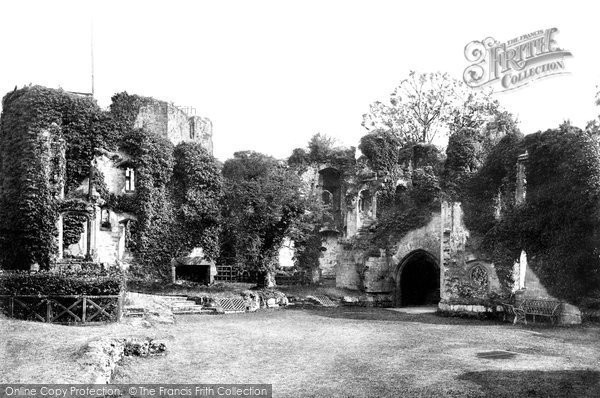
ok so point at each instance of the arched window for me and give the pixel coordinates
(365, 200)
(479, 277)
(105, 218)
(327, 198)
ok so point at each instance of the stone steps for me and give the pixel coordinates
(196, 311)
(179, 309)
(181, 305)
(133, 312)
(365, 228)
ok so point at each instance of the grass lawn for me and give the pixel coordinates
(337, 352)
(36, 352)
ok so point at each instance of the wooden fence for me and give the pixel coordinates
(66, 309)
(228, 273)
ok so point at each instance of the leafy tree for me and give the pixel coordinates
(299, 158)
(382, 150)
(468, 148)
(423, 108)
(320, 147)
(260, 206)
(197, 190)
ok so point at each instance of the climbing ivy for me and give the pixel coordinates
(49, 136)
(73, 227)
(305, 233)
(401, 206)
(176, 196)
(468, 149)
(197, 190)
(39, 125)
(402, 211)
(152, 159)
(321, 150)
(557, 224)
(382, 149)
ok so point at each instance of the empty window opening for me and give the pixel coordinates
(129, 180)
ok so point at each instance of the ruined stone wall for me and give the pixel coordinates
(114, 176)
(178, 125)
(379, 274)
(464, 264)
(376, 272)
(348, 269)
(108, 242)
(169, 121)
(286, 253)
(352, 220)
(425, 238)
(202, 128)
(310, 178)
(153, 117)
(329, 259)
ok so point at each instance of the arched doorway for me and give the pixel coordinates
(417, 280)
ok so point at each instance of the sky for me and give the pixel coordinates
(270, 74)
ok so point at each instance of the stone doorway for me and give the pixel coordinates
(417, 280)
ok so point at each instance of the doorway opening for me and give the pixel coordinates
(417, 280)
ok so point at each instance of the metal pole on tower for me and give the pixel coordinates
(92, 50)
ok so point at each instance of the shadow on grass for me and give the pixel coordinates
(536, 383)
(381, 314)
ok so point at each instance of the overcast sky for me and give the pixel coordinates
(270, 74)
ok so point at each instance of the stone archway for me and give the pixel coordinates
(417, 280)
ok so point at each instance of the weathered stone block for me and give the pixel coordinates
(570, 315)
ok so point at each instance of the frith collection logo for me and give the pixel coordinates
(515, 63)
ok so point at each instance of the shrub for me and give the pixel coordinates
(49, 283)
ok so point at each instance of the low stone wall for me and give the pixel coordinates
(469, 308)
(384, 300)
(569, 315)
(101, 357)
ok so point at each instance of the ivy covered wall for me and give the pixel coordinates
(558, 222)
(48, 140)
(176, 197)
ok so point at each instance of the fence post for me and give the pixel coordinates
(119, 306)
(12, 307)
(83, 309)
(48, 310)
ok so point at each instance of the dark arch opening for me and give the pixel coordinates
(418, 280)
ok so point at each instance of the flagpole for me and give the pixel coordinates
(92, 51)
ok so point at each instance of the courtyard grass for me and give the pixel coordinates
(337, 352)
